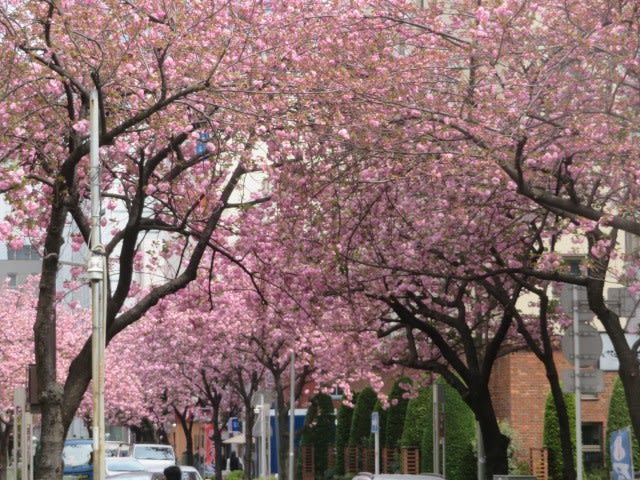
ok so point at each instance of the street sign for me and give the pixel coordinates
(621, 458)
(591, 381)
(590, 345)
(375, 422)
(234, 425)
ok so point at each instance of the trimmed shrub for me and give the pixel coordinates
(361, 421)
(416, 418)
(551, 432)
(345, 413)
(319, 431)
(395, 415)
(619, 418)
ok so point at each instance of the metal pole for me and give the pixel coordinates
(263, 438)
(481, 459)
(276, 436)
(19, 402)
(28, 448)
(97, 271)
(292, 414)
(576, 374)
(444, 456)
(436, 428)
(376, 447)
(443, 430)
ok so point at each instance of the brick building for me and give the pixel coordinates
(520, 388)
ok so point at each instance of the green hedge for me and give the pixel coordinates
(416, 418)
(551, 433)
(319, 431)
(345, 413)
(361, 420)
(619, 418)
(459, 427)
(395, 414)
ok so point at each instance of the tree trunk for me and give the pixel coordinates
(629, 369)
(250, 421)
(495, 443)
(566, 442)
(5, 433)
(217, 439)
(283, 437)
(629, 365)
(187, 428)
(51, 400)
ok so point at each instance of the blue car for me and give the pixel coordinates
(77, 458)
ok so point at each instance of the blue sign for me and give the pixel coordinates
(234, 424)
(621, 458)
(375, 422)
(201, 146)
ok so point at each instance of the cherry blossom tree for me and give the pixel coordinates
(528, 102)
(414, 167)
(17, 316)
(186, 367)
(546, 98)
(185, 92)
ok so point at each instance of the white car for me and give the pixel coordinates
(154, 457)
(123, 464)
(190, 473)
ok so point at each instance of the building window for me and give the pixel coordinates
(27, 252)
(574, 264)
(593, 453)
(337, 393)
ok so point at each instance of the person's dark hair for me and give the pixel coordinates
(172, 473)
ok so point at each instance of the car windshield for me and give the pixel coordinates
(77, 455)
(153, 452)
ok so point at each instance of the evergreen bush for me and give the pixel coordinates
(396, 414)
(319, 431)
(416, 418)
(361, 421)
(345, 413)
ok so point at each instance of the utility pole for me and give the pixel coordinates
(97, 270)
(292, 415)
(577, 386)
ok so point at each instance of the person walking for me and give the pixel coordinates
(234, 462)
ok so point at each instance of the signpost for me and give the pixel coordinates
(621, 458)
(591, 381)
(375, 429)
(438, 429)
(590, 345)
(262, 403)
(23, 438)
(234, 425)
(582, 346)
